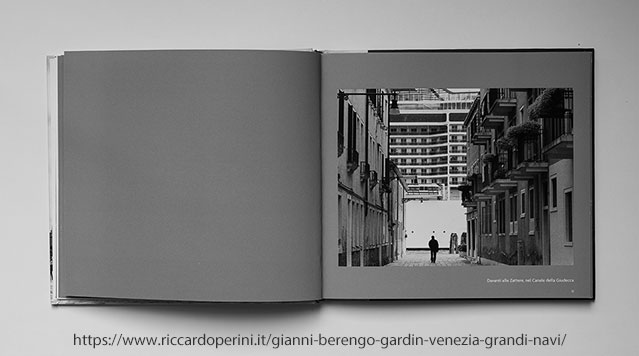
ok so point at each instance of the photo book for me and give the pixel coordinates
(300, 176)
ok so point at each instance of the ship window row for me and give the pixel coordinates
(426, 181)
(424, 129)
(398, 150)
(418, 141)
(424, 171)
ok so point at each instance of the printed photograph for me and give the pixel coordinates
(445, 177)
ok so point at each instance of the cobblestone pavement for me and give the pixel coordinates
(422, 259)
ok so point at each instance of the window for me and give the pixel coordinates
(523, 202)
(568, 99)
(488, 217)
(513, 214)
(352, 134)
(531, 201)
(362, 132)
(545, 192)
(553, 184)
(501, 214)
(568, 203)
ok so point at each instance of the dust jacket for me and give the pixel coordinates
(292, 176)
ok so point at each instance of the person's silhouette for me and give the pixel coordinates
(433, 244)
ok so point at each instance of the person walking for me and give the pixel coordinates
(433, 245)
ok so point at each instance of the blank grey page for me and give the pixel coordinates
(190, 175)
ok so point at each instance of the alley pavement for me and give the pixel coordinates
(422, 259)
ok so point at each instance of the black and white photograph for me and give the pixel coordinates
(442, 177)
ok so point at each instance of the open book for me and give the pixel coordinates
(273, 176)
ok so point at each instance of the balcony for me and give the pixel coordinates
(457, 140)
(493, 121)
(498, 182)
(416, 132)
(520, 152)
(364, 171)
(504, 107)
(481, 137)
(501, 102)
(373, 179)
(454, 160)
(469, 203)
(398, 153)
(422, 142)
(468, 197)
(456, 150)
(499, 186)
(554, 108)
(527, 160)
(421, 157)
(557, 137)
(434, 173)
(420, 164)
(528, 170)
(482, 197)
(352, 161)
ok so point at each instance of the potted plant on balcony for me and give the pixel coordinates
(499, 173)
(527, 130)
(489, 158)
(549, 104)
(503, 144)
(466, 191)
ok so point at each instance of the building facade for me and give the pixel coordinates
(428, 141)
(370, 187)
(518, 197)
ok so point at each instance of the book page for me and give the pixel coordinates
(458, 174)
(189, 176)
